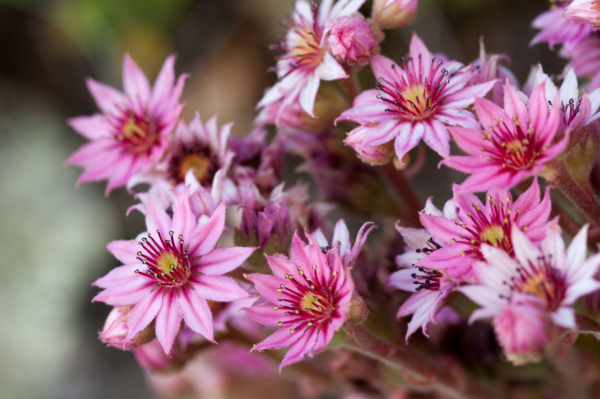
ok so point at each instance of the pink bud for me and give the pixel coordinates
(115, 330)
(373, 155)
(352, 41)
(391, 14)
(522, 331)
(152, 357)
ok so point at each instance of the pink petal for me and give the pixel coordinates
(265, 314)
(222, 260)
(143, 313)
(92, 151)
(282, 266)
(184, 220)
(164, 83)
(484, 180)
(128, 293)
(107, 98)
(383, 133)
(218, 288)
(385, 68)
(91, 127)
(135, 82)
(487, 112)
(300, 348)
(157, 220)
(469, 140)
(117, 275)
(267, 286)
(465, 97)
(309, 93)
(441, 228)
(467, 164)
(419, 52)
(124, 250)
(408, 138)
(196, 313)
(205, 237)
(437, 138)
(168, 321)
(280, 338)
(514, 105)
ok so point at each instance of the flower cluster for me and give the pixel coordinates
(278, 273)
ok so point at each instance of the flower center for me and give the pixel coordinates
(418, 92)
(137, 134)
(541, 280)
(196, 158)
(515, 147)
(312, 302)
(494, 234)
(167, 263)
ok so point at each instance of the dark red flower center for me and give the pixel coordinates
(137, 134)
(168, 263)
(196, 158)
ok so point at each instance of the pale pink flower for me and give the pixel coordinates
(577, 112)
(430, 287)
(489, 68)
(341, 240)
(475, 224)
(351, 40)
(307, 59)
(414, 102)
(516, 142)
(555, 28)
(134, 129)
(169, 275)
(585, 60)
(309, 299)
(529, 293)
(585, 12)
(392, 14)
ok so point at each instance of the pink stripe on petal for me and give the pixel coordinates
(124, 250)
(436, 136)
(91, 127)
(300, 348)
(514, 105)
(265, 314)
(465, 97)
(280, 338)
(196, 313)
(222, 260)
(88, 151)
(382, 68)
(267, 286)
(107, 98)
(469, 140)
(168, 321)
(408, 137)
(218, 288)
(135, 82)
(127, 293)
(184, 220)
(383, 133)
(164, 83)
(157, 219)
(487, 112)
(143, 313)
(466, 164)
(282, 266)
(484, 179)
(118, 275)
(205, 237)
(441, 228)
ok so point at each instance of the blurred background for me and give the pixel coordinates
(53, 235)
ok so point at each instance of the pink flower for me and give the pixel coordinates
(576, 112)
(555, 28)
(538, 287)
(115, 330)
(585, 12)
(430, 286)
(351, 40)
(169, 281)
(341, 240)
(310, 299)
(516, 142)
(476, 224)
(134, 129)
(412, 102)
(307, 60)
(489, 68)
(585, 60)
(392, 14)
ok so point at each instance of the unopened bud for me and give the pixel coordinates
(115, 330)
(358, 310)
(352, 40)
(372, 155)
(391, 14)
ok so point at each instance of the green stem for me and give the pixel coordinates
(423, 371)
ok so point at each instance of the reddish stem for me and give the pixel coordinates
(412, 203)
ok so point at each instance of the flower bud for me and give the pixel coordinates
(373, 155)
(352, 41)
(115, 330)
(391, 14)
(358, 310)
(152, 357)
(521, 329)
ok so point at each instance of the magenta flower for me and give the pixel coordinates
(430, 286)
(169, 275)
(413, 102)
(352, 41)
(516, 142)
(134, 129)
(476, 224)
(555, 28)
(309, 299)
(537, 288)
(307, 59)
(585, 12)
(341, 240)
